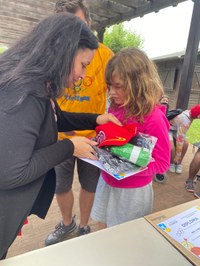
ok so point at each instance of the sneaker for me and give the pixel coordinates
(189, 185)
(197, 195)
(179, 168)
(160, 178)
(83, 230)
(60, 232)
(172, 168)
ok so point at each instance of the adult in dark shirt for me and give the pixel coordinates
(32, 74)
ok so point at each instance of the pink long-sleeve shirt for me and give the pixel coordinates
(157, 125)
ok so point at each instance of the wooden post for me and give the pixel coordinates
(190, 58)
(100, 34)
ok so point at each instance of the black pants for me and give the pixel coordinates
(4, 256)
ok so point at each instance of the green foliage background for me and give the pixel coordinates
(116, 38)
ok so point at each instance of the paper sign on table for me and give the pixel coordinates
(185, 229)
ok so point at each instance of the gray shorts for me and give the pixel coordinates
(114, 206)
(88, 175)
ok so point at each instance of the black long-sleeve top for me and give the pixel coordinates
(29, 152)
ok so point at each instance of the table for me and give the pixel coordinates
(133, 243)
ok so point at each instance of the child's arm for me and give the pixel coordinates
(157, 125)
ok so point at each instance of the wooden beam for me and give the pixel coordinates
(107, 6)
(130, 3)
(190, 58)
(141, 10)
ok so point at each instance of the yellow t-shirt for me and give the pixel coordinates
(89, 96)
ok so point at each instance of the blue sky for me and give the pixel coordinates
(166, 31)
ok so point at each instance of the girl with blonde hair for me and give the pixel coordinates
(134, 90)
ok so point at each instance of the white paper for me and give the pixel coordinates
(118, 176)
(185, 229)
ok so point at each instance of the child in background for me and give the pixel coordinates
(179, 145)
(134, 90)
(162, 178)
(165, 101)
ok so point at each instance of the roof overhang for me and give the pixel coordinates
(106, 13)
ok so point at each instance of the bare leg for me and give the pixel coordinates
(102, 226)
(185, 147)
(65, 203)
(172, 146)
(86, 200)
(194, 166)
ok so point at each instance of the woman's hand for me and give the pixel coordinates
(105, 118)
(83, 147)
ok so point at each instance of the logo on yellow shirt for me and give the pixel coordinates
(82, 84)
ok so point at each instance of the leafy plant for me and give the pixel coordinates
(116, 38)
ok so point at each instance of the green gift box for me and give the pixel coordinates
(137, 155)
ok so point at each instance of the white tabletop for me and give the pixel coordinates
(135, 243)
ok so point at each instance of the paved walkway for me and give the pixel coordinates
(167, 195)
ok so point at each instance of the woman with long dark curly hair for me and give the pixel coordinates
(32, 74)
